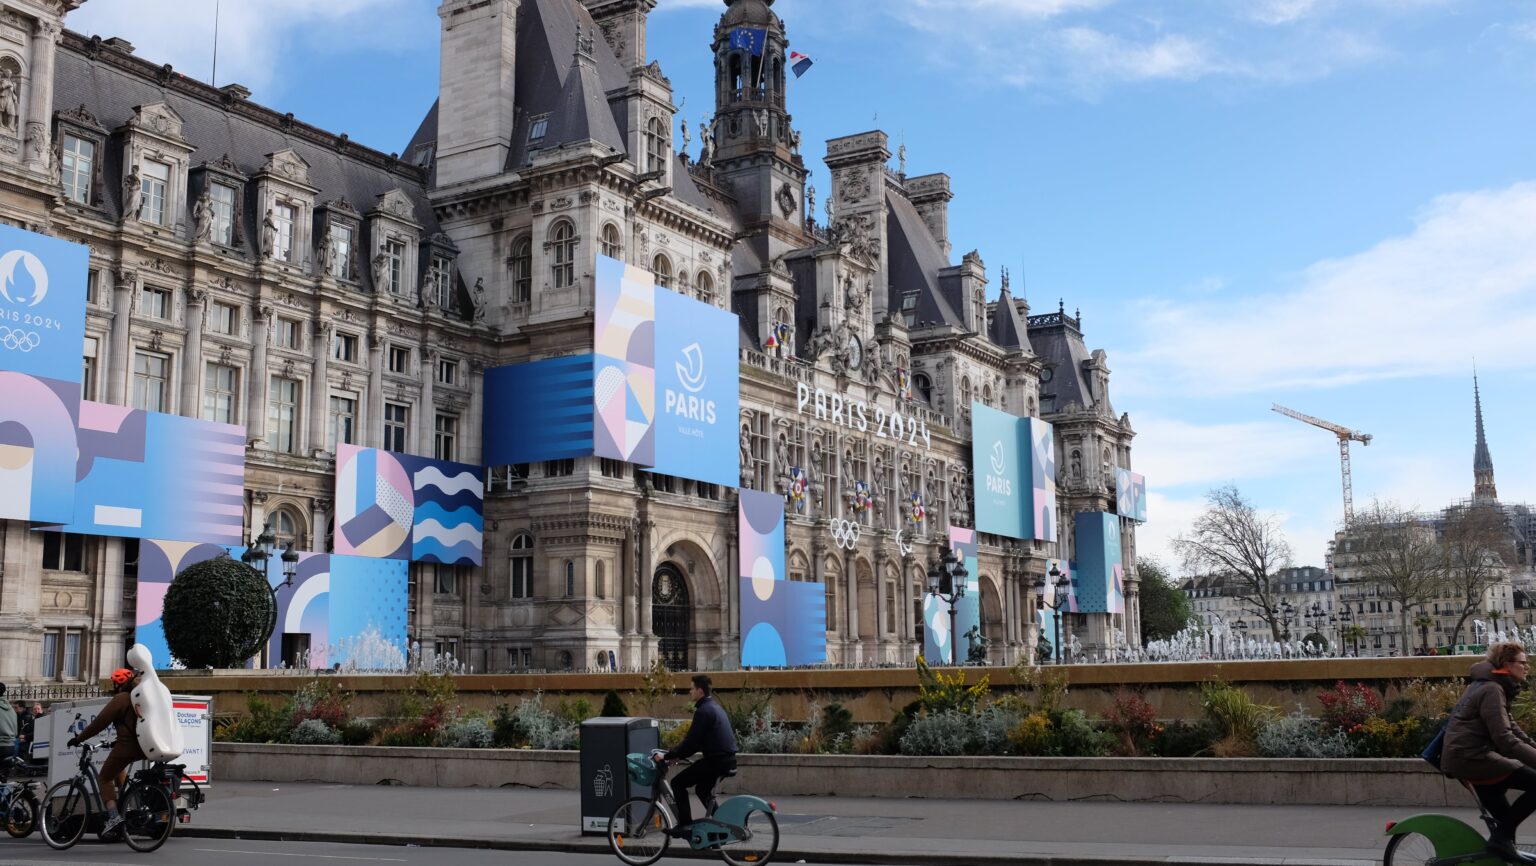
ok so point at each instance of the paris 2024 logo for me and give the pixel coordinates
(691, 375)
(23, 286)
(996, 483)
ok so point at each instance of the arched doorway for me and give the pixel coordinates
(992, 619)
(671, 615)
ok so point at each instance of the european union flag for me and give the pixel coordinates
(750, 38)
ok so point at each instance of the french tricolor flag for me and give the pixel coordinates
(799, 63)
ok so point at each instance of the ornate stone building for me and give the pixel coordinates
(248, 267)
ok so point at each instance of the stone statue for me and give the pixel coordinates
(687, 137)
(327, 253)
(901, 156)
(381, 272)
(10, 100)
(810, 202)
(269, 235)
(746, 456)
(761, 117)
(976, 654)
(706, 145)
(479, 299)
(202, 218)
(781, 454)
(794, 141)
(831, 211)
(133, 194)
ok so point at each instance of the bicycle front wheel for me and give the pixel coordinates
(761, 841)
(21, 815)
(637, 832)
(148, 817)
(1409, 848)
(66, 811)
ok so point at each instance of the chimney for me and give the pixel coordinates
(476, 88)
(931, 196)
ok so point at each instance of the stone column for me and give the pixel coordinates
(647, 573)
(851, 605)
(258, 512)
(878, 644)
(426, 414)
(373, 415)
(256, 378)
(470, 435)
(319, 513)
(121, 346)
(319, 387)
(40, 104)
(192, 355)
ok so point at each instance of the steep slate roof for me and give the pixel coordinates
(1057, 340)
(915, 259)
(1008, 328)
(246, 133)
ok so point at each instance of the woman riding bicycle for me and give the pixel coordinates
(1485, 748)
(125, 751)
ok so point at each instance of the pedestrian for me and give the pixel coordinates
(1485, 748)
(7, 725)
(26, 725)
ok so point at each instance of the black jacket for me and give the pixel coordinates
(710, 733)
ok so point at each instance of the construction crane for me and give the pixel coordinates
(1345, 435)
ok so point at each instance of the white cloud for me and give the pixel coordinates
(1273, 12)
(1104, 57)
(257, 40)
(1173, 453)
(1393, 311)
(1031, 9)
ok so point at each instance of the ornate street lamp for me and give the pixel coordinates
(258, 555)
(1062, 583)
(946, 582)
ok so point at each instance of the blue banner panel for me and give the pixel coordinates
(999, 455)
(936, 625)
(38, 444)
(1131, 495)
(624, 371)
(783, 622)
(1099, 575)
(449, 519)
(698, 390)
(1041, 437)
(367, 620)
(538, 411)
(42, 304)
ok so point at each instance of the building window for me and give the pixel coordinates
(77, 168)
(662, 267)
(399, 359)
(396, 423)
(286, 333)
(601, 582)
(341, 251)
(220, 393)
(50, 667)
(283, 215)
(222, 197)
(522, 271)
(155, 304)
(223, 318)
(705, 285)
(562, 249)
(538, 127)
(442, 283)
(570, 578)
(154, 180)
(610, 468)
(613, 243)
(443, 579)
(522, 566)
(283, 415)
(344, 348)
(655, 145)
(151, 375)
(88, 369)
(343, 425)
(63, 552)
(285, 529)
(559, 468)
(394, 251)
(447, 437)
(448, 371)
(72, 655)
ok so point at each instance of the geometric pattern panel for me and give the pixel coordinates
(1131, 495)
(624, 370)
(1000, 459)
(1042, 463)
(448, 523)
(150, 475)
(538, 411)
(304, 608)
(398, 506)
(37, 448)
(42, 304)
(936, 625)
(1099, 574)
(368, 604)
(783, 622)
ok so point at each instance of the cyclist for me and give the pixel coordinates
(1485, 748)
(710, 733)
(118, 712)
(9, 727)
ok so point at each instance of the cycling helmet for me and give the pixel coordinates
(122, 676)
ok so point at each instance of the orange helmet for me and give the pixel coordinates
(122, 676)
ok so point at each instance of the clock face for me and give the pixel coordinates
(855, 353)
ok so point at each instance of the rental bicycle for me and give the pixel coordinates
(1440, 840)
(149, 806)
(742, 828)
(18, 802)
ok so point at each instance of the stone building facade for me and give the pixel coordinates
(251, 268)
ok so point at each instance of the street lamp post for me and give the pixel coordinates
(946, 582)
(1061, 583)
(1287, 613)
(258, 555)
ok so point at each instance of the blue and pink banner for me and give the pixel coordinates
(42, 304)
(1014, 467)
(398, 506)
(1131, 495)
(1099, 570)
(38, 447)
(937, 637)
(783, 622)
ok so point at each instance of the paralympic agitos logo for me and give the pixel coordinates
(692, 376)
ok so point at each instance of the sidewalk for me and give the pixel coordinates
(824, 829)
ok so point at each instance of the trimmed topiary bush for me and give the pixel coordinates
(218, 614)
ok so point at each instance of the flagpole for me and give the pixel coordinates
(214, 78)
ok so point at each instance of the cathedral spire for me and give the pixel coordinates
(1482, 462)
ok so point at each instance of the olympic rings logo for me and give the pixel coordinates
(16, 339)
(845, 533)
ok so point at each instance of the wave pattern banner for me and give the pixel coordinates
(397, 506)
(783, 622)
(37, 448)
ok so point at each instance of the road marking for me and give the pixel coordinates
(313, 856)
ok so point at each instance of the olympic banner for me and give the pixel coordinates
(42, 304)
(1131, 495)
(698, 390)
(624, 370)
(38, 447)
(783, 622)
(1099, 573)
(999, 451)
(937, 637)
(398, 506)
(1041, 437)
(538, 411)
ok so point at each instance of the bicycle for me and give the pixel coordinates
(1440, 840)
(18, 802)
(148, 806)
(742, 828)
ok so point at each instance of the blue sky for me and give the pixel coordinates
(1329, 204)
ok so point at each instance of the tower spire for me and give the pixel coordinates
(1482, 462)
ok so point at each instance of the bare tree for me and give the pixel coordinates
(1478, 547)
(1231, 539)
(1398, 553)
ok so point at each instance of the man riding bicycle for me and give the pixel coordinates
(710, 733)
(118, 712)
(1485, 748)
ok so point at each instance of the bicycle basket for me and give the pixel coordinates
(642, 770)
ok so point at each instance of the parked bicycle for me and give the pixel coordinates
(1440, 840)
(742, 828)
(150, 806)
(18, 800)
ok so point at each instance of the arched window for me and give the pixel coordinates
(522, 270)
(602, 579)
(522, 565)
(986, 395)
(834, 613)
(285, 529)
(705, 285)
(570, 578)
(965, 393)
(655, 144)
(562, 254)
(923, 386)
(662, 267)
(613, 242)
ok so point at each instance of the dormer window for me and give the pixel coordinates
(442, 283)
(655, 145)
(222, 198)
(538, 128)
(283, 216)
(154, 180)
(77, 167)
(341, 251)
(394, 252)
